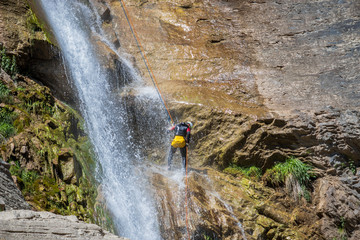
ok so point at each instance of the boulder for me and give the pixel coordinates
(31, 225)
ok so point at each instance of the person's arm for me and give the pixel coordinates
(171, 128)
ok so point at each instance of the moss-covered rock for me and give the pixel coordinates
(51, 156)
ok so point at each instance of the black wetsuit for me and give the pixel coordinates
(183, 130)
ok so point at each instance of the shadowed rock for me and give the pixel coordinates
(10, 195)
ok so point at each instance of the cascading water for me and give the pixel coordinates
(124, 185)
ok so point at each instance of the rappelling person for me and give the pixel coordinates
(181, 140)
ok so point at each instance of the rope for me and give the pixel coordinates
(143, 55)
(186, 194)
(153, 79)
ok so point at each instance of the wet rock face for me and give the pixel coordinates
(44, 225)
(194, 210)
(284, 54)
(219, 206)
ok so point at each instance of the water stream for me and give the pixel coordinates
(125, 188)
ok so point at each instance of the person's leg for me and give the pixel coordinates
(183, 156)
(171, 154)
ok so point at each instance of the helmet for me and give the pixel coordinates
(190, 124)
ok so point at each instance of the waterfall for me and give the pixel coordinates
(124, 185)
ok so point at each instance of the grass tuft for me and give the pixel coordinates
(252, 172)
(294, 174)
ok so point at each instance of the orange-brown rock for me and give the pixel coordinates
(263, 81)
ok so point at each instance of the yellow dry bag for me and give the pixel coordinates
(178, 142)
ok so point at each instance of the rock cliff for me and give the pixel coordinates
(284, 55)
(263, 81)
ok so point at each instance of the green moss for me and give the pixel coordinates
(252, 172)
(50, 128)
(34, 25)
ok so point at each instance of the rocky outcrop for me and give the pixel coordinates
(10, 195)
(32, 225)
(327, 139)
(210, 204)
(24, 35)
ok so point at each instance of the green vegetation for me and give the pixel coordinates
(34, 25)
(6, 123)
(342, 230)
(352, 166)
(39, 107)
(294, 175)
(277, 175)
(206, 237)
(43, 161)
(45, 193)
(4, 92)
(8, 64)
(32, 22)
(251, 172)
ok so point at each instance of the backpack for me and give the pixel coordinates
(178, 142)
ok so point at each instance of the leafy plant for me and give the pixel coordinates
(38, 107)
(29, 177)
(8, 64)
(341, 229)
(15, 169)
(300, 171)
(206, 237)
(305, 194)
(4, 91)
(294, 174)
(352, 166)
